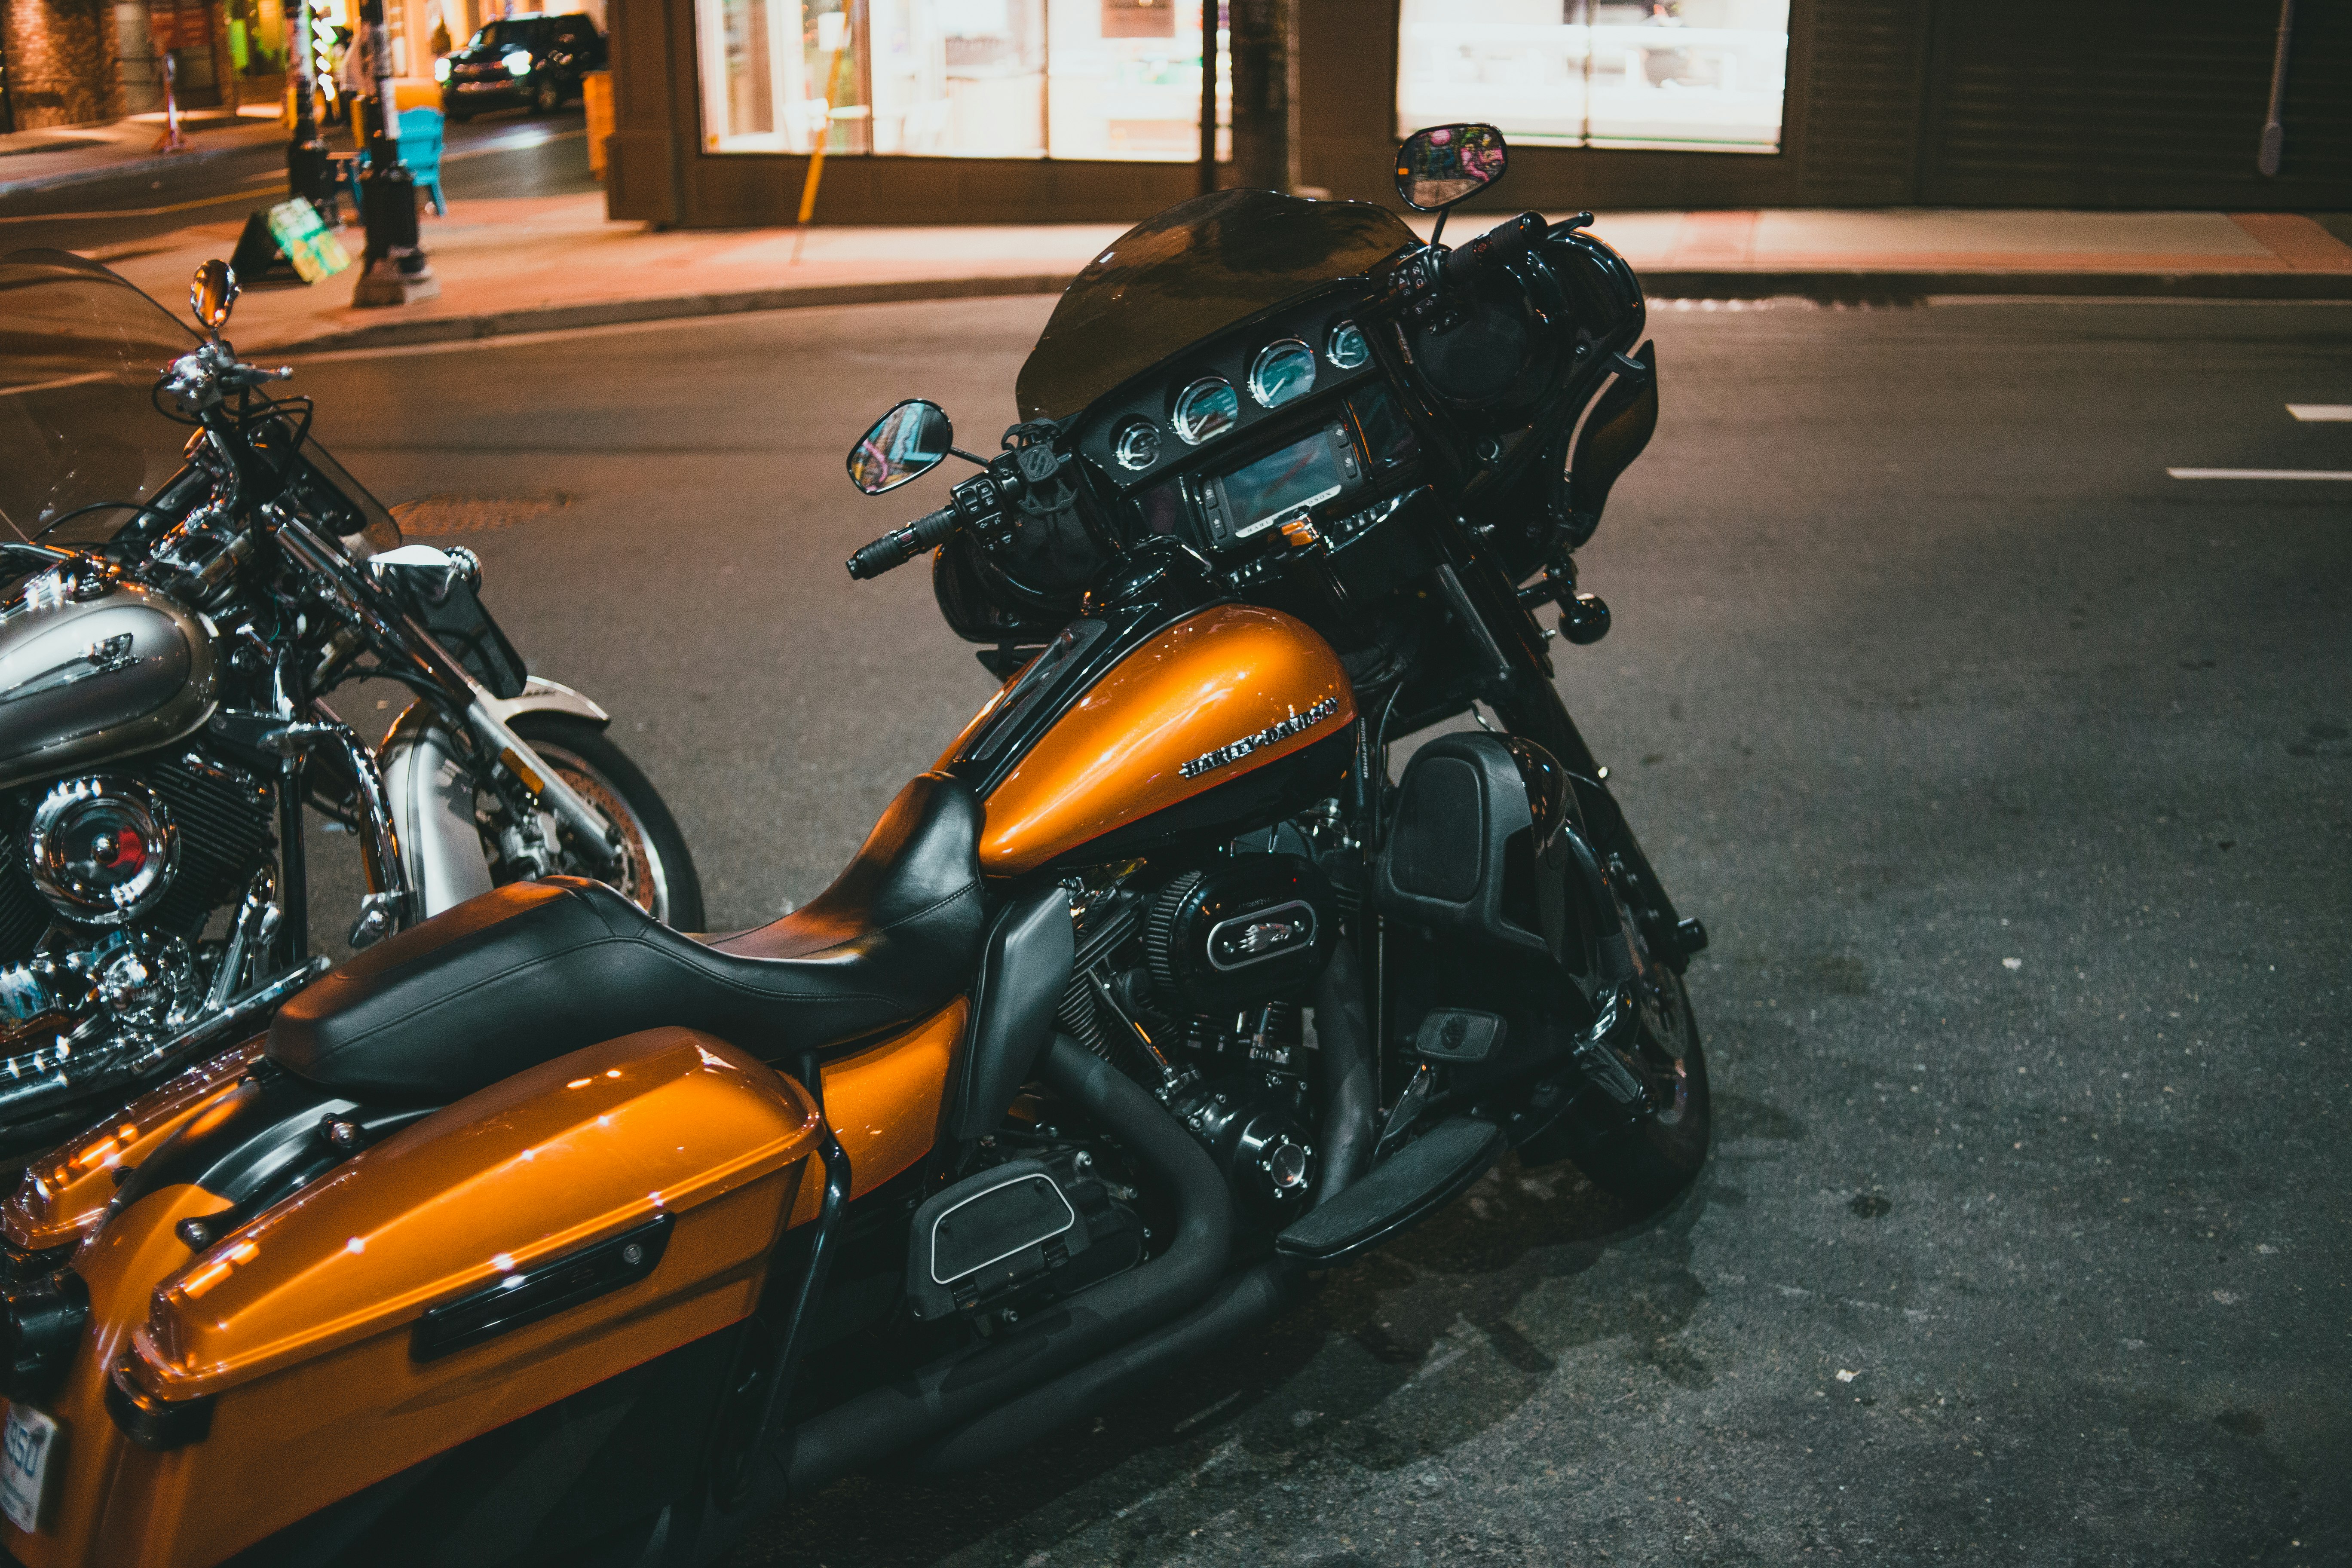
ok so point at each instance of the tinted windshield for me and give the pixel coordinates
(508, 34)
(1175, 279)
(79, 354)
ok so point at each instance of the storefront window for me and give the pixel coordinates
(956, 79)
(1690, 74)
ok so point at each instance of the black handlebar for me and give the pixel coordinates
(1502, 241)
(900, 545)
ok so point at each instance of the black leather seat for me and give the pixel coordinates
(534, 970)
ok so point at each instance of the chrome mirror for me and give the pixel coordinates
(212, 292)
(905, 443)
(1440, 166)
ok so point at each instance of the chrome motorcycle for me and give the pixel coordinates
(172, 618)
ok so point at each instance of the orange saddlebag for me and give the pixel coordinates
(541, 1237)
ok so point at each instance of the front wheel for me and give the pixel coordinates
(655, 872)
(1650, 1159)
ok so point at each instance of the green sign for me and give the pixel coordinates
(296, 226)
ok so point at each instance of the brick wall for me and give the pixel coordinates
(61, 61)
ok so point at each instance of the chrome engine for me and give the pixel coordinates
(109, 880)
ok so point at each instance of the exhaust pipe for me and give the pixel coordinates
(1243, 1300)
(1099, 1345)
(954, 1390)
(1247, 1298)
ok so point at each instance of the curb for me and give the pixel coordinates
(616, 312)
(1663, 283)
(1913, 284)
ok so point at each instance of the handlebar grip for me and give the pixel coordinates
(900, 545)
(1504, 240)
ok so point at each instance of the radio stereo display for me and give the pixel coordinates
(1284, 484)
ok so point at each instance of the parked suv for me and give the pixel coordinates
(533, 60)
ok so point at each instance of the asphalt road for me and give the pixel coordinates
(504, 153)
(2010, 775)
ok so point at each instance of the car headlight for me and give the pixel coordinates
(441, 69)
(517, 63)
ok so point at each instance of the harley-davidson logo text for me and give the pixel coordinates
(1280, 730)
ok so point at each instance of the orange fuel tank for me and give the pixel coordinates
(1198, 726)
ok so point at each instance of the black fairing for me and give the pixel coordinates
(1023, 970)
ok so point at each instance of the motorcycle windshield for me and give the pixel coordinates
(81, 424)
(1197, 267)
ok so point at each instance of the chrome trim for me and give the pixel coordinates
(44, 857)
(1297, 723)
(940, 1218)
(1254, 918)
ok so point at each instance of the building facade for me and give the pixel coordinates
(1036, 111)
(72, 62)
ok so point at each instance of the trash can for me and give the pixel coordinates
(596, 98)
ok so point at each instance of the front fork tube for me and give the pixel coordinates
(1523, 693)
(597, 837)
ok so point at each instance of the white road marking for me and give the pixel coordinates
(2343, 474)
(2322, 413)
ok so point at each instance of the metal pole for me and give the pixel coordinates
(1209, 18)
(395, 270)
(2274, 130)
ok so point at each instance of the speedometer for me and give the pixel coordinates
(1281, 371)
(1205, 410)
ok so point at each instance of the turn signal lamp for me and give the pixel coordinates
(441, 69)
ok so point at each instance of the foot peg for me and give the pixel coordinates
(1427, 1173)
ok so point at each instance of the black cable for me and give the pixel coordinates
(134, 508)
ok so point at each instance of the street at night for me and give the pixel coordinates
(1163, 783)
(2008, 773)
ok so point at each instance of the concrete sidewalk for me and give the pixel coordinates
(551, 263)
(73, 155)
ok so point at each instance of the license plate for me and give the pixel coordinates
(26, 1464)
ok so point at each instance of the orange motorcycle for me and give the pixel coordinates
(541, 1232)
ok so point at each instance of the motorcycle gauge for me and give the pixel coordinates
(1346, 347)
(1206, 410)
(1282, 371)
(1138, 446)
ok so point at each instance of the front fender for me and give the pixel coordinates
(541, 695)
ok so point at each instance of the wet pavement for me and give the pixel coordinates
(2010, 773)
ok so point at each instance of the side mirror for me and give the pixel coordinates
(905, 443)
(1440, 166)
(212, 292)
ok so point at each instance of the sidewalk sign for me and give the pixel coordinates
(289, 234)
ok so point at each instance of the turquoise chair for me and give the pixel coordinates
(420, 152)
(420, 149)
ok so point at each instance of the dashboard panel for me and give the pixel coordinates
(1282, 418)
